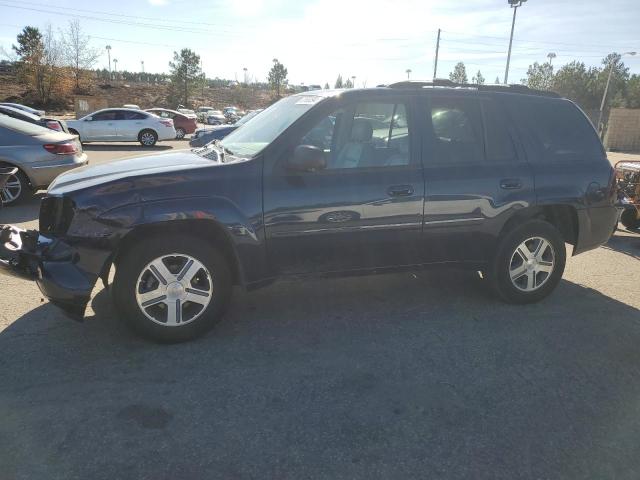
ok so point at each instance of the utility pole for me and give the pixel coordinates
(435, 64)
(408, 71)
(115, 66)
(353, 81)
(606, 90)
(108, 47)
(514, 4)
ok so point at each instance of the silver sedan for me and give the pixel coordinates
(39, 154)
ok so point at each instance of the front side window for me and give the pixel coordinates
(108, 115)
(457, 129)
(367, 135)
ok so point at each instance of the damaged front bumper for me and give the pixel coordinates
(57, 268)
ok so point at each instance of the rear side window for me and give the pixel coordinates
(498, 142)
(129, 115)
(457, 128)
(558, 130)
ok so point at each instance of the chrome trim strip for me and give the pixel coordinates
(435, 222)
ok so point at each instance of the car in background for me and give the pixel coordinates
(202, 136)
(33, 111)
(201, 113)
(39, 154)
(187, 112)
(215, 117)
(47, 122)
(232, 114)
(123, 125)
(184, 125)
(133, 106)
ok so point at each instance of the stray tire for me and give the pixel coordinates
(629, 219)
(528, 263)
(172, 289)
(16, 190)
(180, 133)
(147, 138)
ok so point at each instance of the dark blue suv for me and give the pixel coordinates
(492, 178)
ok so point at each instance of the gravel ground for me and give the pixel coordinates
(396, 376)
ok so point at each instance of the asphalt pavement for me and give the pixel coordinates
(390, 377)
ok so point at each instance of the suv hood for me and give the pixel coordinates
(90, 176)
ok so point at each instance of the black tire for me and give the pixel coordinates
(133, 262)
(20, 193)
(180, 133)
(499, 270)
(147, 138)
(629, 219)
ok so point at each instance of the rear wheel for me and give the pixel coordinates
(148, 138)
(630, 219)
(529, 263)
(15, 190)
(172, 289)
(180, 133)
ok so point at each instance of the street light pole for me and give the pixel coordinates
(514, 4)
(551, 56)
(108, 47)
(408, 70)
(606, 90)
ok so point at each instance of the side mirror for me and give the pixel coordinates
(307, 158)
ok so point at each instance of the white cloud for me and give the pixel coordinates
(157, 3)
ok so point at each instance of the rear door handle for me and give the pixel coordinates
(510, 183)
(400, 190)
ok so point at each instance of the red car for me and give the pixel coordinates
(182, 123)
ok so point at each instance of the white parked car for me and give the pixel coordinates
(122, 125)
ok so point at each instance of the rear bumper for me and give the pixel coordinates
(595, 227)
(51, 263)
(42, 175)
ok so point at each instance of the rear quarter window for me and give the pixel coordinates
(556, 129)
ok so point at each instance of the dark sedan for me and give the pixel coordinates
(202, 136)
(47, 122)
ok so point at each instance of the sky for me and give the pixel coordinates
(374, 40)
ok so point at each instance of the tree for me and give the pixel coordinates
(497, 80)
(78, 53)
(633, 92)
(579, 83)
(326, 86)
(348, 83)
(186, 76)
(339, 83)
(459, 74)
(539, 76)
(478, 79)
(30, 44)
(277, 76)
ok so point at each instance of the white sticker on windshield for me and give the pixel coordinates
(308, 100)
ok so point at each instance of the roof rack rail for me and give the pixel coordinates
(492, 87)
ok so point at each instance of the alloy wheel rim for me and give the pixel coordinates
(147, 138)
(11, 190)
(180, 133)
(174, 290)
(532, 264)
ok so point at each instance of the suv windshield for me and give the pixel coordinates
(265, 128)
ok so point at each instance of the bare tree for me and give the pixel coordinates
(79, 55)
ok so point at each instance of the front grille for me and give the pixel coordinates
(56, 214)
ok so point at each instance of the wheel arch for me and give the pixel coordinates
(9, 163)
(207, 230)
(563, 217)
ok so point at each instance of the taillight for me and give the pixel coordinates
(167, 122)
(53, 125)
(61, 148)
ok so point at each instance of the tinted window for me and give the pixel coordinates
(498, 143)
(457, 130)
(103, 116)
(129, 115)
(559, 130)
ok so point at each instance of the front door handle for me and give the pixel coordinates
(400, 190)
(510, 183)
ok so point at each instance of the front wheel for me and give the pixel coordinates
(528, 263)
(172, 289)
(180, 133)
(148, 138)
